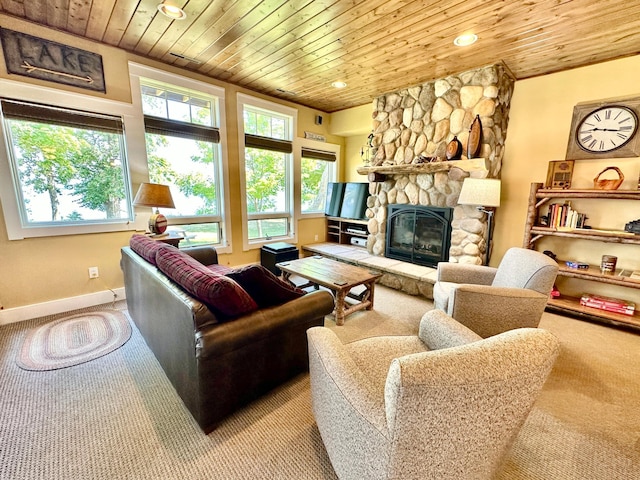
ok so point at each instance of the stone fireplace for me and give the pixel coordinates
(419, 122)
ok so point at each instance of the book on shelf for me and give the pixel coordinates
(609, 304)
(563, 216)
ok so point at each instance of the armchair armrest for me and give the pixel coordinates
(491, 310)
(465, 273)
(335, 374)
(438, 330)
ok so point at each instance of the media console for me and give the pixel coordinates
(347, 231)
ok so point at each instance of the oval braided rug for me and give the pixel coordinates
(73, 340)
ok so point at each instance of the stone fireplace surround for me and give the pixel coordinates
(421, 121)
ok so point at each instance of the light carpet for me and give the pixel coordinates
(118, 417)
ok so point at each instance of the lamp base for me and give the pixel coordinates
(489, 213)
(157, 223)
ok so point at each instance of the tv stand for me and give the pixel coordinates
(342, 230)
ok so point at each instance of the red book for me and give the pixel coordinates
(609, 304)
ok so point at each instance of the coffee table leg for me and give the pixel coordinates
(339, 308)
(370, 287)
(286, 276)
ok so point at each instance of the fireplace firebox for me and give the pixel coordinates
(418, 234)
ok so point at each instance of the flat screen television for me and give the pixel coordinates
(354, 201)
(335, 192)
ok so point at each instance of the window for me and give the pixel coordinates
(317, 169)
(68, 168)
(267, 138)
(183, 151)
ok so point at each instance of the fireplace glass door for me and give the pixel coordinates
(418, 234)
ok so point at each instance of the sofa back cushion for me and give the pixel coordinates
(263, 286)
(145, 247)
(221, 294)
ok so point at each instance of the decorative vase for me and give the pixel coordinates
(475, 138)
(454, 149)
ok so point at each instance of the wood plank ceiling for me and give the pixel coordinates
(295, 49)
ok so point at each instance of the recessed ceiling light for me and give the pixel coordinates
(338, 84)
(171, 11)
(465, 40)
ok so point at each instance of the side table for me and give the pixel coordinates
(170, 238)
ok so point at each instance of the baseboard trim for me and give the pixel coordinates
(36, 310)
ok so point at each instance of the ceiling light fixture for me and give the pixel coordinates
(465, 40)
(338, 84)
(171, 11)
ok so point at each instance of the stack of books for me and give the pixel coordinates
(609, 304)
(563, 216)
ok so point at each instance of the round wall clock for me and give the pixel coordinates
(605, 130)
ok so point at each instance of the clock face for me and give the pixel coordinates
(606, 129)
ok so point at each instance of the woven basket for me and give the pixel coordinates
(612, 184)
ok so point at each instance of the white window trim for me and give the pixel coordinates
(298, 145)
(142, 170)
(58, 98)
(243, 100)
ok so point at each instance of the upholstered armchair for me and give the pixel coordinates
(492, 300)
(445, 404)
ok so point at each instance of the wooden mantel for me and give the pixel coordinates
(475, 164)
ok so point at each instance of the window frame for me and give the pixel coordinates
(298, 146)
(9, 194)
(136, 72)
(242, 100)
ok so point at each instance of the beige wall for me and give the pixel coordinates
(44, 269)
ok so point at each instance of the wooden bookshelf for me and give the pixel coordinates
(538, 197)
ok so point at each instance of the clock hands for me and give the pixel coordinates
(602, 130)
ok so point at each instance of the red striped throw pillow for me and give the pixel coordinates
(223, 295)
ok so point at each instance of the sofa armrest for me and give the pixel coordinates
(502, 308)
(221, 338)
(205, 254)
(465, 273)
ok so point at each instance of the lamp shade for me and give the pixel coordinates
(480, 191)
(154, 195)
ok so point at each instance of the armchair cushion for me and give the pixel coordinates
(523, 268)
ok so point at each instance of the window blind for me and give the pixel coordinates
(34, 112)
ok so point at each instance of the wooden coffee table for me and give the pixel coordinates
(338, 277)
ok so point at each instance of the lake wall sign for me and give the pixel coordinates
(39, 58)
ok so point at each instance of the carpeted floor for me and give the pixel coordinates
(117, 417)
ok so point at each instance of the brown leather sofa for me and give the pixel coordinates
(217, 366)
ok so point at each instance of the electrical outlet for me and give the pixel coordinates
(316, 237)
(93, 272)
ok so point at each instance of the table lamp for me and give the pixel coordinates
(483, 192)
(155, 195)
